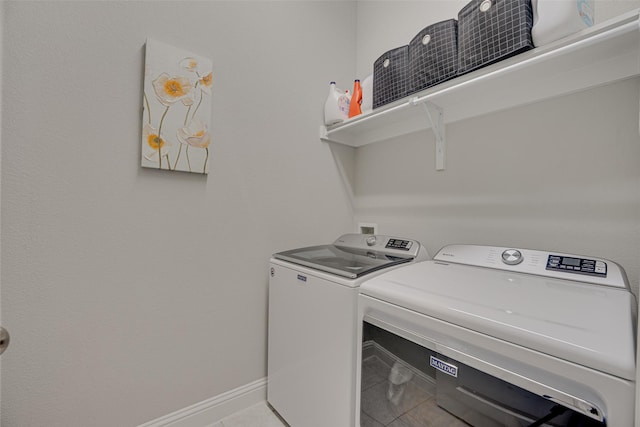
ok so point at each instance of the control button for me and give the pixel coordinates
(601, 264)
(371, 240)
(512, 257)
(601, 270)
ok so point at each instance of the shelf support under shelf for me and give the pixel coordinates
(435, 114)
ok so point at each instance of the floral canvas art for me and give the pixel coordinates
(176, 109)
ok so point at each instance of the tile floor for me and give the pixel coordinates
(416, 408)
(258, 415)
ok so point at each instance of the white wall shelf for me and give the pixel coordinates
(605, 53)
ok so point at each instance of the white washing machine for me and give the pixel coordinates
(513, 337)
(313, 295)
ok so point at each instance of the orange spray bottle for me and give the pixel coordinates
(356, 100)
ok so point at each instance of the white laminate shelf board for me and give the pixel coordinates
(602, 54)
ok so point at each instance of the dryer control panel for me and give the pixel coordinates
(542, 263)
(577, 265)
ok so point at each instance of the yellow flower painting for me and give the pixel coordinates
(176, 109)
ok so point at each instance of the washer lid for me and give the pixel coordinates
(588, 324)
(346, 262)
(354, 255)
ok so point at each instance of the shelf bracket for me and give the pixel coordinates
(323, 133)
(435, 115)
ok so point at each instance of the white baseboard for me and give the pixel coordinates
(210, 411)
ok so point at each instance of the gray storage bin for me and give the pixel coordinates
(390, 76)
(433, 55)
(491, 30)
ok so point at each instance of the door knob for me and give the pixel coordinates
(4, 339)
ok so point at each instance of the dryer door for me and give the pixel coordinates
(402, 379)
(483, 400)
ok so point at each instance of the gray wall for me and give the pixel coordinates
(561, 175)
(131, 293)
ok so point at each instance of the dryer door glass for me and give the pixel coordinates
(401, 380)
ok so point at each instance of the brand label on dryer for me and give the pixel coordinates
(302, 278)
(442, 366)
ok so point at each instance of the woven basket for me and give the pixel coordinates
(491, 30)
(433, 55)
(390, 76)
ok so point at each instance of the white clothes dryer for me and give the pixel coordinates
(514, 337)
(313, 295)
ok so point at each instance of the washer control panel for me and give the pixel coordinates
(387, 245)
(577, 265)
(403, 245)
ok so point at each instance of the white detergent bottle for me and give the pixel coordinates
(555, 19)
(332, 113)
(344, 101)
(367, 94)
